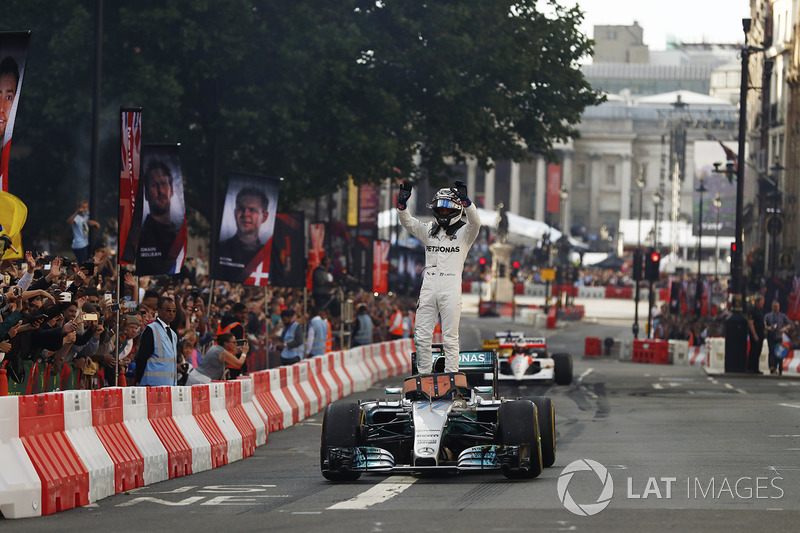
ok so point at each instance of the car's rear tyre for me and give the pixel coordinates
(547, 428)
(563, 368)
(518, 425)
(341, 428)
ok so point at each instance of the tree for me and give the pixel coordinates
(313, 92)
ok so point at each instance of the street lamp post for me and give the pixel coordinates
(717, 203)
(774, 226)
(640, 185)
(656, 204)
(736, 325)
(698, 293)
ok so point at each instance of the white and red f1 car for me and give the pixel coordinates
(526, 358)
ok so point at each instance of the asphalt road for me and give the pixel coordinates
(683, 451)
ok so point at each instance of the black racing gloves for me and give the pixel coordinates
(461, 191)
(403, 195)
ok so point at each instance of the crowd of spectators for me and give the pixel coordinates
(56, 311)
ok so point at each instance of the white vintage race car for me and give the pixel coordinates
(440, 424)
(526, 358)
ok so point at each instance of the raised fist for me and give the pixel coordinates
(404, 194)
(461, 190)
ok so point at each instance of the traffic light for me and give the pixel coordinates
(651, 265)
(482, 265)
(637, 265)
(514, 270)
(733, 248)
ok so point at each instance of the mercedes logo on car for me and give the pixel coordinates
(425, 451)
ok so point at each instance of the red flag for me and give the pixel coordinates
(380, 267)
(130, 159)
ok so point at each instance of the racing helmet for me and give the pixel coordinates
(446, 207)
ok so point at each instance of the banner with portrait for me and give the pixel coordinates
(380, 267)
(130, 159)
(246, 230)
(287, 266)
(316, 250)
(161, 244)
(13, 53)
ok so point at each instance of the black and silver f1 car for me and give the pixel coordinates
(440, 424)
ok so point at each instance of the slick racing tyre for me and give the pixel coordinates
(341, 428)
(563, 368)
(547, 427)
(518, 426)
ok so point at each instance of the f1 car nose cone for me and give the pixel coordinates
(519, 365)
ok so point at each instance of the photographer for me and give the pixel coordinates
(227, 352)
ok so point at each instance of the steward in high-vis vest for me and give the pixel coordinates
(318, 331)
(291, 344)
(234, 323)
(362, 329)
(157, 358)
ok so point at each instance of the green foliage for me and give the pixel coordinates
(313, 92)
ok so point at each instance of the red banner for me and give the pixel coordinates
(130, 159)
(316, 250)
(553, 188)
(13, 52)
(286, 269)
(246, 230)
(380, 267)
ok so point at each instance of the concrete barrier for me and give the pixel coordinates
(65, 449)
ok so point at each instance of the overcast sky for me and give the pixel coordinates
(688, 20)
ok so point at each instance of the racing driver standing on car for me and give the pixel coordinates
(447, 241)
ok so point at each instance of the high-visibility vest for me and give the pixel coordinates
(364, 334)
(161, 369)
(396, 325)
(329, 338)
(289, 353)
(321, 330)
(228, 328)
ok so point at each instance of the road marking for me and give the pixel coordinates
(585, 373)
(188, 501)
(791, 436)
(795, 405)
(378, 494)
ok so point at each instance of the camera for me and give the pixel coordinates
(195, 294)
(89, 267)
(90, 317)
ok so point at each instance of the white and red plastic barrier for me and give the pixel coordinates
(61, 450)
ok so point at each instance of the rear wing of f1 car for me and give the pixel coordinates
(475, 363)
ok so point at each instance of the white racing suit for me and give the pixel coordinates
(440, 294)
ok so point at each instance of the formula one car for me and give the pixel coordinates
(440, 424)
(526, 358)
